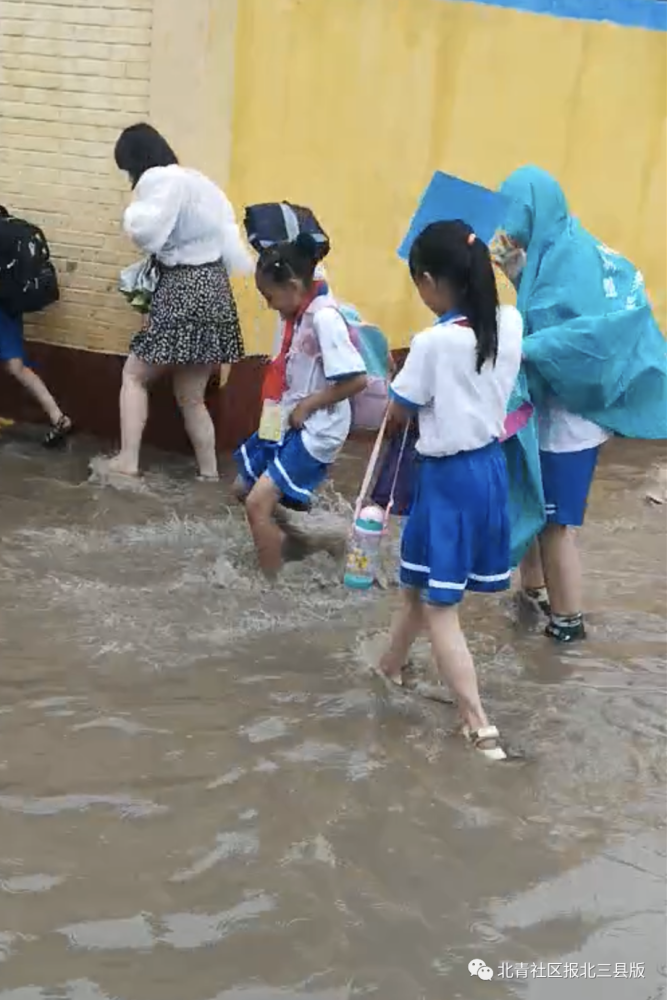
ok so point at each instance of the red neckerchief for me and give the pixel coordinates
(275, 380)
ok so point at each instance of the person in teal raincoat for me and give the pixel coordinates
(595, 363)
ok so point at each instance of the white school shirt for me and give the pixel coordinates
(562, 431)
(459, 408)
(321, 352)
(182, 217)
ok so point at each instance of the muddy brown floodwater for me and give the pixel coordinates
(205, 796)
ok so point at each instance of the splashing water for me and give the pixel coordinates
(206, 795)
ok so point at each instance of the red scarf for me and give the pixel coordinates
(275, 380)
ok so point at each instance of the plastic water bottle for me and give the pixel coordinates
(363, 551)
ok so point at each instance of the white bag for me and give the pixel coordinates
(142, 276)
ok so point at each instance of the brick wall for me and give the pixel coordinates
(73, 73)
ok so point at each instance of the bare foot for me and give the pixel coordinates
(405, 677)
(105, 469)
(117, 467)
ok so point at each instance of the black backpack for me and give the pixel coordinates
(28, 279)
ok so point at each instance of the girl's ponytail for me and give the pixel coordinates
(481, 301)
(451, 252)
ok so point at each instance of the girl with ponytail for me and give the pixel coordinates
(457, 380)
(306, 413)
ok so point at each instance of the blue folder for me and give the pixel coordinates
(448, 197)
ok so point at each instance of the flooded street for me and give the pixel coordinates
(204, 795)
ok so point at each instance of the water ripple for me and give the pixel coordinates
(228, 845)
(53, 805)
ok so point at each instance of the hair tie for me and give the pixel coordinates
(471, 239)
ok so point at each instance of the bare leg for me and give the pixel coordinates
(533, 595)
(297, 544)
(240, 490)
(406, 625)
(562, 569)
(190, 384)
(260, 505)
(34, 385)
(137, 376)
(455, 664)
(532, 574)
(304, 543)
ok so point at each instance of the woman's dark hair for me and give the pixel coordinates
(286, 261)
(141, 147)
(450, 251)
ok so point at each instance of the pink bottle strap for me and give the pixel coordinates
(372, 465)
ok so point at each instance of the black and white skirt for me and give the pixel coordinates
(193, 319)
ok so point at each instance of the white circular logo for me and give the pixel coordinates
(478, 968)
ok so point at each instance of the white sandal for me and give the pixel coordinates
(480, 736)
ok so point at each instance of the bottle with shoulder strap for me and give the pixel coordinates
(362, 563)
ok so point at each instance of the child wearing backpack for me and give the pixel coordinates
(28, 283)
(306, 413)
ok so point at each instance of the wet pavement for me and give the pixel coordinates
(204, 795)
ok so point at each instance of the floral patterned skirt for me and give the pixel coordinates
(193, 319)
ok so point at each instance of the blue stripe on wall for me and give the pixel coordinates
(650, 14)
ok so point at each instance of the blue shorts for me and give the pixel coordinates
(293, 469)
(567, 478)
(457, 536)
(11, 337)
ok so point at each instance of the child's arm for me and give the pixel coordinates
(398, 415)
(343, 366)
(335, 392)
(413, 386)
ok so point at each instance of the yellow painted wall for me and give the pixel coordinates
(350, 105)
(345, 105)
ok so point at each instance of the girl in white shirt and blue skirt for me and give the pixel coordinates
(457, 379)
(187, 224)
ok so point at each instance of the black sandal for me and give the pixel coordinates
(58, 433)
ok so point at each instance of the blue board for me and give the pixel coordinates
(650, 14)
(448, 197)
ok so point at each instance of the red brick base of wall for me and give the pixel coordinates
(87, 386)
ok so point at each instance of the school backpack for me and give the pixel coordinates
(28, 279)
(369, 406)
(278, 221)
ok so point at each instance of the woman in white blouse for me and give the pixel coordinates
(187, 223)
